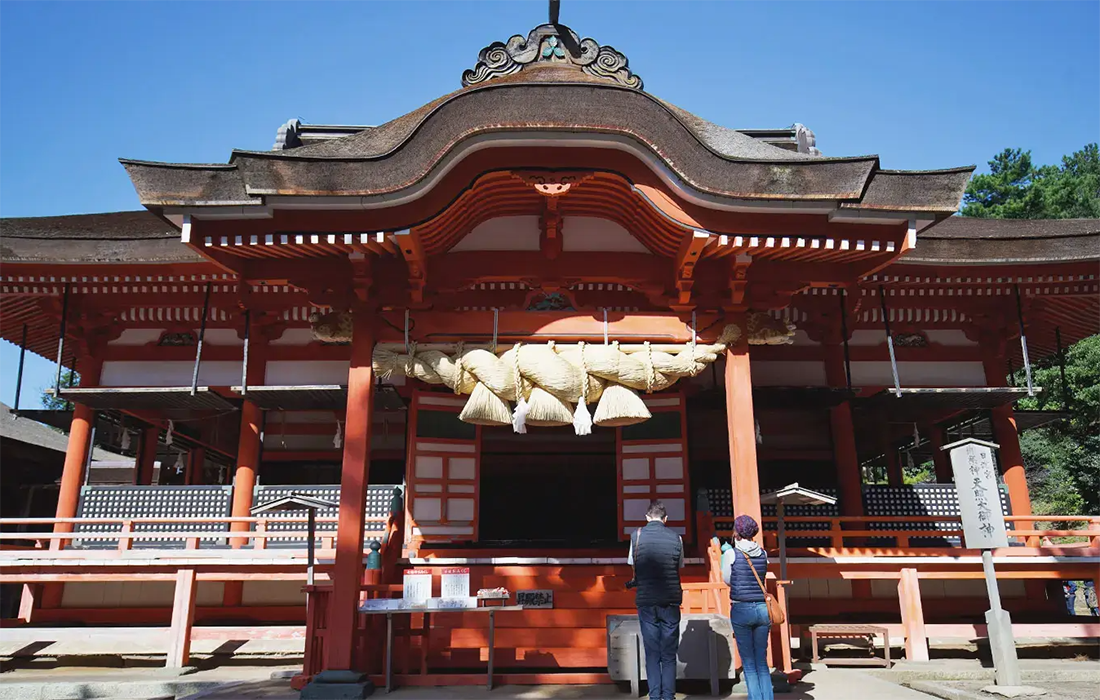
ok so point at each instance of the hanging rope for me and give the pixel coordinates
(519, 416)
(459, 369)
(649, 375)
(496, 326)
(693, 333)
(407, 331)
(605, 326)
(582, 419)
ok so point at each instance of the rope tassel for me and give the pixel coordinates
(582, 419)
(519, 416)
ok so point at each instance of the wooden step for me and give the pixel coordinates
(446, 679)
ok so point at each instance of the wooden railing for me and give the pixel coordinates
(713, 596)
(843, 528)
(127, 532)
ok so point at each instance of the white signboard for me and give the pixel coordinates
(455, 583)
(418, 586)
(979, 495)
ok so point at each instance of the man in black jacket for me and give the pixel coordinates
(657, 555)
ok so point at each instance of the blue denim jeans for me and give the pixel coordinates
(660, 626)
(751, 625)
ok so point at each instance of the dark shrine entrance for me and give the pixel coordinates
(548, 488)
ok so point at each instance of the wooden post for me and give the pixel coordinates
(183, 618)
(1005, 435)
(244, 477)
(244, 483)
(355, 473)
(146, 456)
(29, 601)
(943, 464)
(249, 454)
(894, 474)
(742, 434)
(195, 460)
(912, 616)
(849, 478)
(76, 454)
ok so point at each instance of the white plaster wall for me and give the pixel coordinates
(300, 373)
(273, 593)
(273, 440)
(135, 594)
(294, 336)
(138, 336)
(221, 336)
(587, 234)
(144, 373)
(865, 337)
(801, 338)
(932, 374)
(502, 233)
(818, 588)
(800, 373)
(950, 338)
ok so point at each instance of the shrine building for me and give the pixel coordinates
(492, 330)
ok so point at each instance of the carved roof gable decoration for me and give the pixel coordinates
(551, 43)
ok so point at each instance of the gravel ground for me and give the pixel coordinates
(1071, 690)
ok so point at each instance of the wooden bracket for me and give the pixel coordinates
(689, 254)
(408, 242)
(739, 282)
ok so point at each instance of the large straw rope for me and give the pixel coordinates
(545, 379)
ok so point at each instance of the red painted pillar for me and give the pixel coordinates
(354, 477)
(146, 456)
(848, 475)
(74, 470)
(76, 453)
(742, 434)
(249, 451)
(1004, 432)
(248, 463)
(195, 460)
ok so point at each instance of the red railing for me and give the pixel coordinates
(377, 583)
(127, 533)
(843, 528)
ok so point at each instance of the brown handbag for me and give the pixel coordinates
(775, 613)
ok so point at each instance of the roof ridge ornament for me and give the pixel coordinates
(551, 43)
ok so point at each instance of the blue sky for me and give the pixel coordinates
(922, 84)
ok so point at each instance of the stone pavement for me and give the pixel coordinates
(971, 690)
(823, 684)
(94, 682)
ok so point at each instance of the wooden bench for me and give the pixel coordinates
(867, 632)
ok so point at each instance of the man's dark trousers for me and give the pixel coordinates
(660, 626)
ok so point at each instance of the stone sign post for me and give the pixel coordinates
(984, 528)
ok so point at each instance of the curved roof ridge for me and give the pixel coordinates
(975, 228)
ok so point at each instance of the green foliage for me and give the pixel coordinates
(920, 473)
(1062, 460)
(1006, 191)
(1015, 188)
(54, 403)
